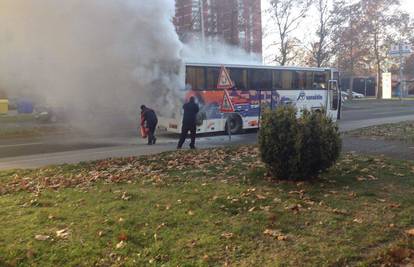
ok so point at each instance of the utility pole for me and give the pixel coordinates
(402, 83)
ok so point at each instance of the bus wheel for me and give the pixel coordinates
(235, 122)
(200, 118)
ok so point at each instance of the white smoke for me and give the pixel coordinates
(95, 57)
(216, 52)
(99, 60)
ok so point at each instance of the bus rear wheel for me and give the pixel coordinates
(235, 122)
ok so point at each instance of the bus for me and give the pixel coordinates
(254, 89)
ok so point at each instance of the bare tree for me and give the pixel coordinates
(380, 23)
(287, 15)
(349, 45)
(322, 50)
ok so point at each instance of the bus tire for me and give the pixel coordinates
(236, 123)
(200, 118)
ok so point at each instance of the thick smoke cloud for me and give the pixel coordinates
(96, 60)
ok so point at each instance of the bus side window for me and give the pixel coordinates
(309, 80)
(195, 77)
(287, 76)
(212, 77)
(239, 77)
(320, 80)
(260, 79)
(300, 80)
(276, 80)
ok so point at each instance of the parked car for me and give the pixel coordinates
(357, 95)
(345, 96)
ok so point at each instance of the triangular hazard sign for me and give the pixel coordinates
(224, 81)
(227, 105)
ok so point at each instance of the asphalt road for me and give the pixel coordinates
(39, 152)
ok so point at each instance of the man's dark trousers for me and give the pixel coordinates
(184, 131)
(151, 132)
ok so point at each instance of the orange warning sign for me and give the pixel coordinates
(224, 81)
(227, 105)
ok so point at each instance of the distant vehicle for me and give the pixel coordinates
(345, 95)
(357, 95)
(254, 88)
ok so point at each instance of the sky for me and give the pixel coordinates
(306, 29)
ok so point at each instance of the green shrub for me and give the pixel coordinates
(298, 148)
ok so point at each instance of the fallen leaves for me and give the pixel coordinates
(358, 220)
(368, 177)
(151, 169)
(227, 235)
(277, 234)
(121, 245)
(294, 207)
(42, 237)
(410, 232)
(190, 213)
(122, 237)
(63, 233)
(125, 196)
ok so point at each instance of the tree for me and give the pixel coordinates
(287, 15)
(349, 43)
(321, 51)
(379, 24)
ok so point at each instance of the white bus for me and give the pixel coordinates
(255, 88)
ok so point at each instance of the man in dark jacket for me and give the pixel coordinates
(149, 120)
(189, 123)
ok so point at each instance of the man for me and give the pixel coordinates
(149, 120)
(189, 123)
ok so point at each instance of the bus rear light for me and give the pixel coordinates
(173, 126)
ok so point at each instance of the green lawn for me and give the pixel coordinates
(32, 131)
(206, 208)
(403, 131)
(17, 118)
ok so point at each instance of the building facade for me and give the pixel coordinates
(237, 22)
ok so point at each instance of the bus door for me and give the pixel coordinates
(336, 94)
(333, 96)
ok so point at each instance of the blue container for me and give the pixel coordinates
(25, 107)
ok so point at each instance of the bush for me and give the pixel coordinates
(298, 148)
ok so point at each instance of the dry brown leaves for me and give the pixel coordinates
(153, 169)
(410, 232)
(277, 234)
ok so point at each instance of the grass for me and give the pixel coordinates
(403, 131)
(17, 118)
(206, 208)
(32, 131)
(26, 125)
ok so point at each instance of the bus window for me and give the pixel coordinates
(195, 78)
(320, 80)
(301, 79)
(276, 80)
(239, 77)
(212, 78)
(287, 80)
(260, 79)
(309, 80)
